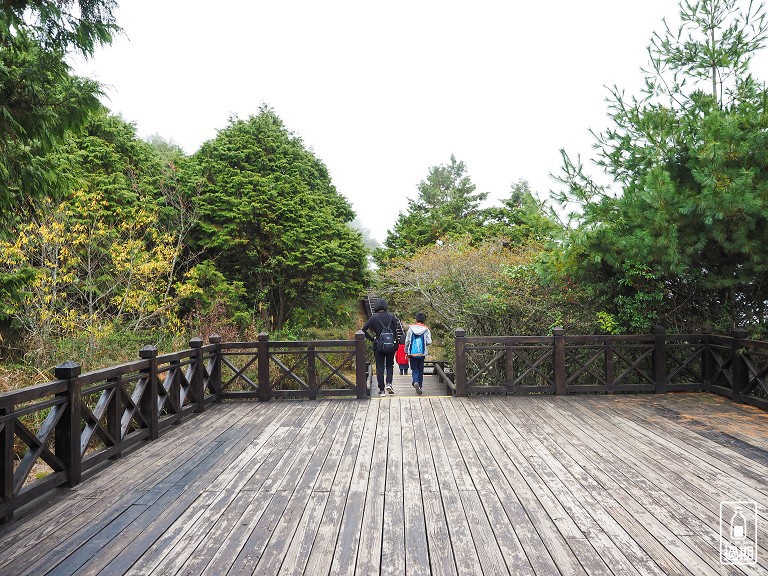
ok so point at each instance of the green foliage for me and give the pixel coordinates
(271, 219)
(205, 294)
(607, 323)
(713, 46)
(521, 218)
(691, 166)
(12, 284)
(448, 207)
(58, 25)
(40, 100)
(39, 103)
(489, 288)
(102, 257)
(120, 345)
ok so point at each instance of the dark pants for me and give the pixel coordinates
(383, 359)
(417, 369)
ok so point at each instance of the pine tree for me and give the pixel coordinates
(689, 161)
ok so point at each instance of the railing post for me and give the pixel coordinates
(115, 416)
(197, 374)
(67, 434)
(215, 375)
(659, 360)
(150, 396)
(610, 381)
(361, 382)
(461, 362)
(707, 364)
(311, 372)
(173, 392)
(509, 368)
(738, 366)
(558, 359)
(8, 456)
(263, 368)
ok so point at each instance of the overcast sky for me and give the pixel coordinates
(383, 91)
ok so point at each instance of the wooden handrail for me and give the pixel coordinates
(566, 364)
(445, 378)
(81, 420)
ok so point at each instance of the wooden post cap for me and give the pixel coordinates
(148, 351)
(67, 370)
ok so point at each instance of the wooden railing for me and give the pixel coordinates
(272, 369)
(443, 373)
(52, 433)
(560, 364)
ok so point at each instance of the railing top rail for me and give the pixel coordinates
(113, 371)
(32, 393)
(600, 338)
(594, 338)
(759, 344)
(176, 356)
(289, 344)
(508, 339)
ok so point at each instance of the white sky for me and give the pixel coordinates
(383, 91)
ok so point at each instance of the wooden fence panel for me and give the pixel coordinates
(610, 363)
(52, 433)
(755, 358)
(34, 462)
(687, 362)
(721, 354)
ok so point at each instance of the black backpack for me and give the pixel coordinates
(385, 343)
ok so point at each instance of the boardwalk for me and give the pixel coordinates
(416, 485)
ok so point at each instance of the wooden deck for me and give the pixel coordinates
(415, 485)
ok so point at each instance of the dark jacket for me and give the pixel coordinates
(377, 322)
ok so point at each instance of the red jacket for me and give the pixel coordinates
(400, 356)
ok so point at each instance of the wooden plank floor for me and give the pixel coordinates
(402, 384)
(541, 486)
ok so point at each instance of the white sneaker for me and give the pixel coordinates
(390, 390)
(382, 393)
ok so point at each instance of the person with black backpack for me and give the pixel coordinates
(416, 342)
(385, 341)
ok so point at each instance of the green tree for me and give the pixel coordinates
(447, 205)
(271, 219)
(713, 46)
(58, 25)
(40, 100)
(488, 287)
(690, 164)
(108, 255)
(520, 219)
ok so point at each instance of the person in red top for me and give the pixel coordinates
(402, 359)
